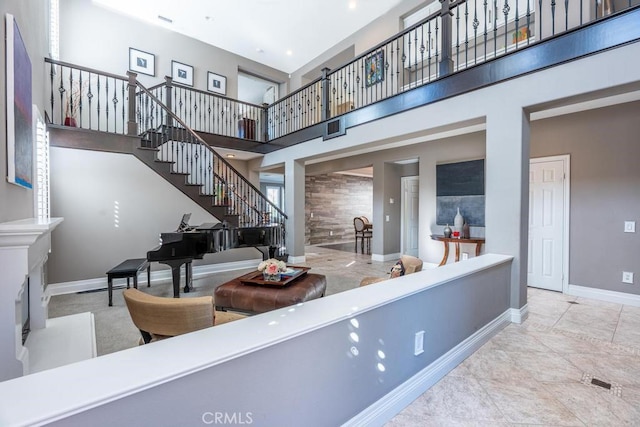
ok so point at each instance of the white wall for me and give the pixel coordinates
(99, 38)
(114, 207)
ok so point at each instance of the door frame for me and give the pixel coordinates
(403, 212)
(566, 169)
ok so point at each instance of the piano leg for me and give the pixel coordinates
(188, 274)
(175, 265)
(175, 274)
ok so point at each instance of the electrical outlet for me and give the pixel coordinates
(418, 344)
(331, 233)
(387, 218)
(629, 226)
(465, 255)
(311, 215)
(627, 277)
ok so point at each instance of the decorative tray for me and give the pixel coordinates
(287, 277)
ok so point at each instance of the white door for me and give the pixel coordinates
(410, 216)
(548, 222)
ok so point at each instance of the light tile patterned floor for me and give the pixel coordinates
(539, 373)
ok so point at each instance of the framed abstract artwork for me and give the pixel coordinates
(182, 73)
(374, 68)
(460, 186)
(216, 83)
(19, 108)
(142, 62)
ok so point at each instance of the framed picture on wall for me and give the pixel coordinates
(374, 68)
(19, 108)
(182, 73)
(216, 83)
(142, 62)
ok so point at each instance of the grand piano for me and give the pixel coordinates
(188, 243)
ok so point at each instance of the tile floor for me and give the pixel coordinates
(540, 373)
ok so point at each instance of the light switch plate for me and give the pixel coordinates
(629, 226)
(627, 277)
(418, 343)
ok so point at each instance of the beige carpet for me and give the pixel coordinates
(115, 330)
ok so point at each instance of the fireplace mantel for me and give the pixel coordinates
(24, 248)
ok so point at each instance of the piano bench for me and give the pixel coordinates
(128, 269)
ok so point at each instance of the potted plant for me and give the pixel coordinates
(73, 104)
(272, 269)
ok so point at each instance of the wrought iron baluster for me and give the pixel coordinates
(466, 34)
(115, 103)
(436, 46)
(106, 101)
(517, 23)
(553, 17)
(505, 10)
(89, 100)
(98, 98)
(566, 15)
(486, 33)
(475, 24)
(62, 90)
(529, 20)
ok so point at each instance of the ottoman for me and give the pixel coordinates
(238, 296)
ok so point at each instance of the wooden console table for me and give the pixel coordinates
(446, 240)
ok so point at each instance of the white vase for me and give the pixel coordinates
(458, 221)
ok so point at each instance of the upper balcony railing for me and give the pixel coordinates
(454, 36)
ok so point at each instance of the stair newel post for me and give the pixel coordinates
(446, 62)
(132, 124)
(325, 94)
(169, 99)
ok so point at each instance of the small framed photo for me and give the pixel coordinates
(216, 83)
(142, 62)
(182, 73)
(374, 68)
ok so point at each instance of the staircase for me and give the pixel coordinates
(178, 154)
(165, 144)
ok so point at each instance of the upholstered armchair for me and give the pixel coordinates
(159, 317)
(407, 264)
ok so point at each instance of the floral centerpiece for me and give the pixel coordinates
(271, 269)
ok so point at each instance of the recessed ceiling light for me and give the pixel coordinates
(289, 52)
(352, 5)
(259, 50)
(230, 156)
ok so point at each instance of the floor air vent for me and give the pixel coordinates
(612, 387)
(599, 383)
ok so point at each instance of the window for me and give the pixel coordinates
(54, 29)
(42, 204)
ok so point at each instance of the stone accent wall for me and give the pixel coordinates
(331, 203)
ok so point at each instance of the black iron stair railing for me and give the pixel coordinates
(109, 103)
(181, 146)
(455, 36)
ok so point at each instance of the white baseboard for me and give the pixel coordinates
(604, 295)
(297, 259)
(394, 402)
(156, 277)
(519, 315)
(387, 257)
